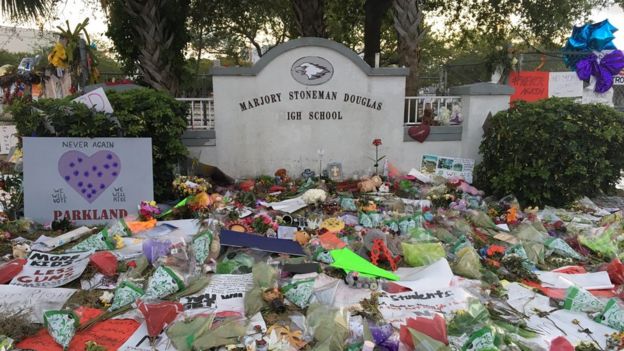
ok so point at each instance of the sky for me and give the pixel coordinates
(75, 11)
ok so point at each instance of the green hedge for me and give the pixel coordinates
(552, 152)
(140, 112)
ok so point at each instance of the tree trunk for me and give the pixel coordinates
(375, 11)
(151, 26)
(310, 17)
(408, 22)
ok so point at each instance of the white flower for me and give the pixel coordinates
(107, 297)
(314, 196)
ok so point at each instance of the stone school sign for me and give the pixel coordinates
(302, 96)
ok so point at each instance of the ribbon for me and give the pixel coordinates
(602, 68)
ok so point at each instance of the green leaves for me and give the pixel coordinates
(552, 152)
(141, 113)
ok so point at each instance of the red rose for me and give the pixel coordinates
(377, 142)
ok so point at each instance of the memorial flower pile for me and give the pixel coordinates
(273, 262)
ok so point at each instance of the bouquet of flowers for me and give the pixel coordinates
(148, 210)
(190, 185)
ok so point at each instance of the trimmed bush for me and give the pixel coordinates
(140, 112)
(552, 152)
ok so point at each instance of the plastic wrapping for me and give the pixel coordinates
(384, 337)
(235, 262)
(427, 334)
(467, 263)
(422, 254)
(328, 326)
(483, 339)
(264, 277)
(105, 262)
(580, 300)
(126, 293)
(602, 243)
(163, 282)
(612, 315)
(155, 248)
(299, 291)
(62, 326)
(615, 268)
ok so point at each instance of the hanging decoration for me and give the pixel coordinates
(591, 53)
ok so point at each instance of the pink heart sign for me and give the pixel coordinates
(91, 175)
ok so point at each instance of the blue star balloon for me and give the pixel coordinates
(588, 38)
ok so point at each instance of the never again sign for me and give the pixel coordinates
(45, 270)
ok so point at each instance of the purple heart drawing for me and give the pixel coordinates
(89, 175)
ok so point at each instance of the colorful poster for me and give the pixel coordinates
(46, 270)
(448, 167)
(8, 138)
(529, 85)
(86, 180)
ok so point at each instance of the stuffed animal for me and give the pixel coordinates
(370, 185)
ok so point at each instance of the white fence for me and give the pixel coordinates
(200, 114)
(444, 109)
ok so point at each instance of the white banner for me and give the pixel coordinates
(619, 79)
(564, 84)
(86, 180)
(46, 270)
(226, 292)
(32, 301)
(396, 308)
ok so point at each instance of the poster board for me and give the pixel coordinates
(618, 79)
(8, 138)
(86, 180)
(448, 167)
(32, 301)
(564, 84)
(529, 85)
(97, 100)
(46, 270)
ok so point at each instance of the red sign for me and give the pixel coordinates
(529, 85)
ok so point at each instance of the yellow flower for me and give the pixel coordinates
(58, 56)
(118, 241)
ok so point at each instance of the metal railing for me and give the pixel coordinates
(200, 114)
(442, 110)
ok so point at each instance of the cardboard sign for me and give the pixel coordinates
(226, 292)
(448, 167)
(530, 86)
(86, 180)
(97, 100)
(32, 301)
(8, 138)
(564, 84)
(592, 97)
(46, 270)
(396, 308)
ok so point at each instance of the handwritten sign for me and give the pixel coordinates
(97, 100)
(86, 180)
(46, 270)
(592, 97)
(32, 301)
(448, 167)
(396, 308)
(8, 138)
(564, 84)
(226, 292)
(530, 86)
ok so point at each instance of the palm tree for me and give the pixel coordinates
(408, 22)
(25, 9)
(310, 17)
